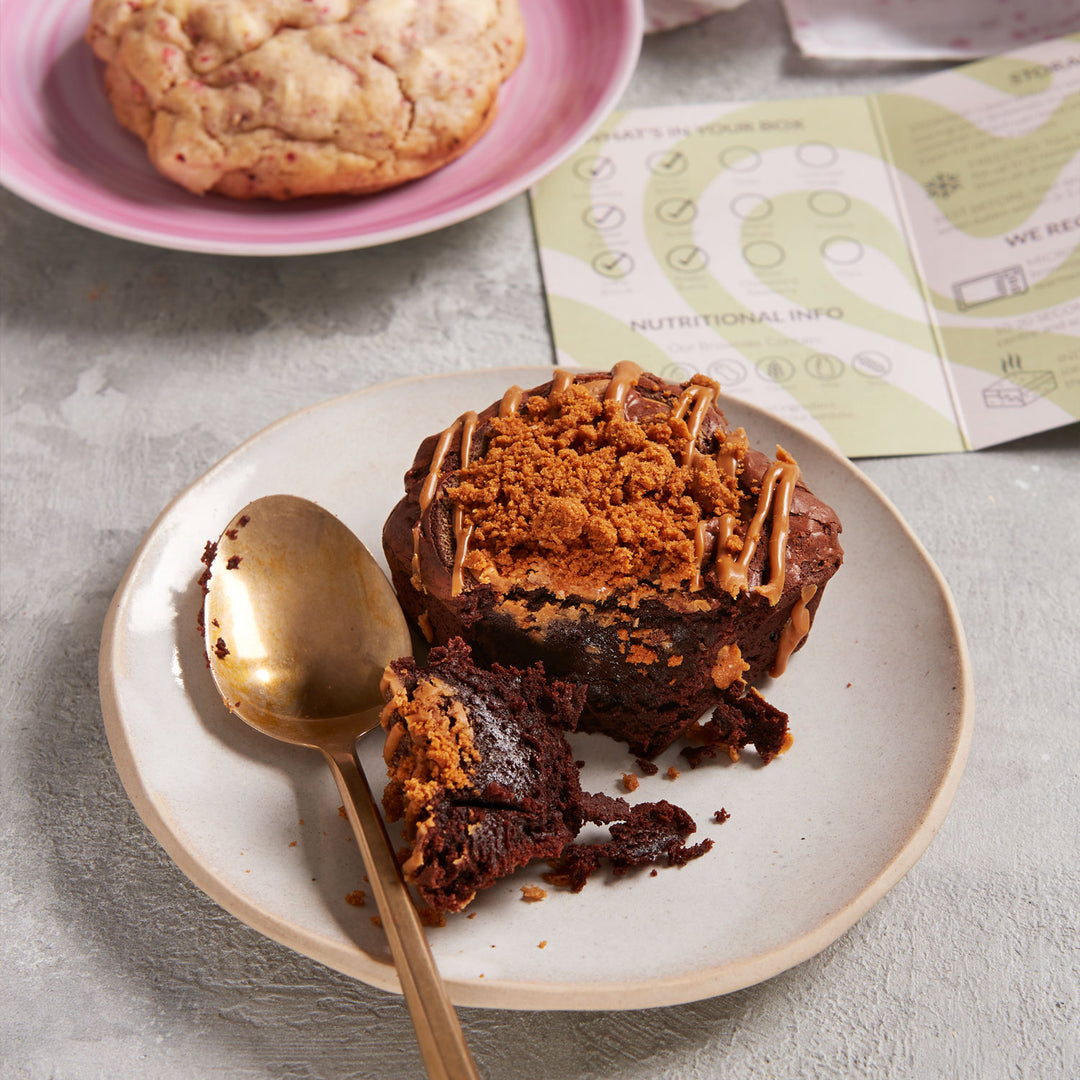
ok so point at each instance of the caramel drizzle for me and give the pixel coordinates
(699, 554)
(427, 492)
(624, 376)
(795, 629)
(463, 530)
(560, 383)
(702, 397)
(726, 461)
(511, 402)
(775, 494)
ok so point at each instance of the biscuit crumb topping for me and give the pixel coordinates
(438, 751)
(569, 489)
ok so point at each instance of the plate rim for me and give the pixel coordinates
(23, 186)
(509, 993)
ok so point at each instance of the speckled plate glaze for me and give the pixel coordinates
(880, 705)
(62, 149)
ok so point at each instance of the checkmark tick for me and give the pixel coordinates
(676, 211)
(667, 162)
(603, 216)
(688, 258)
(594, 168)
(613, 264)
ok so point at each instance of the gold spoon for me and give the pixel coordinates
(300, 623)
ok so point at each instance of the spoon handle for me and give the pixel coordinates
(442, 1042)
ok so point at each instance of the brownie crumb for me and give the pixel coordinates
(673, 773)
(629, 781)
(220, 649)
(652, 832)
(602, 809)
(204, 585)
(743, 717)
(720, 816)
(696, 754)
(532, 893)
(357, 898)
(376, 921)
(430, 917)
(649, 768)
(233, 561)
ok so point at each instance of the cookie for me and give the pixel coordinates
(285, 98)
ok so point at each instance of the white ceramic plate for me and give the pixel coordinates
(879, 700)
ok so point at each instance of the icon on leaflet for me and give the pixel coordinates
(667, 163)
(740, 158)
(613, 264)
(872, 364)
(1019, 389)
(676, 211)
(777, 369)
(727, 372)
(989, 287)
(818, 155)
(942, 185)
(824, 366)
(688, 258)
(842, 250)
(751, 207)
(594, 168)
(764, 254)
(828, 203)
(603, 216)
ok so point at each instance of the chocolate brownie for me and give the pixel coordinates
(613, 526)
(284, 98)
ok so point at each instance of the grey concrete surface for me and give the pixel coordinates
(127, 371)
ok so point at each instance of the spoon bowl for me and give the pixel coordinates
(300, 624)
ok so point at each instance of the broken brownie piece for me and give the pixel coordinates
(742, 717)
(479, 770)
(652, 832)
(482, 776)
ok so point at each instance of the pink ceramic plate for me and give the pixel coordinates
(62, 149)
